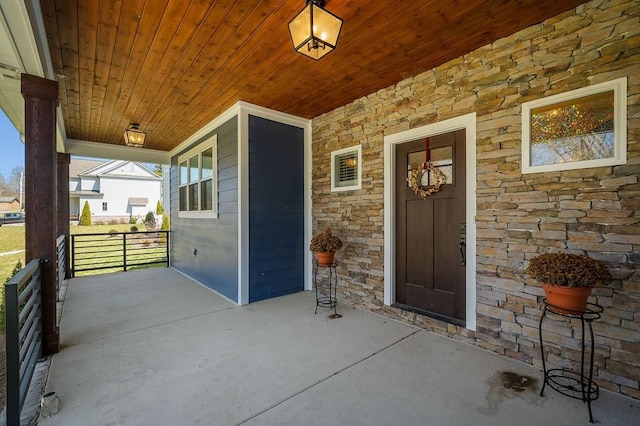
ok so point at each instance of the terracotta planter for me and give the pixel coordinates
(325, 257)
(565, 299)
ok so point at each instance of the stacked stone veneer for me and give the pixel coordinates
(594, 211)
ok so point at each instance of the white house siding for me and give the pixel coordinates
(74, 184)
(89, 184)
(118, 200)
(128, 188)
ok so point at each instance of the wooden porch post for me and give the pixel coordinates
(63, 201)
(40, 99)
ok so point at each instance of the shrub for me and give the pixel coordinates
(325, 241)
(133, 220)
(165, 223)
(113, 231)
(568, 270)
(150, 220)
(85, 218)
(134, 228)
(16, 269)
(159, 209)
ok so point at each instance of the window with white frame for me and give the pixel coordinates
(346, 169)
(197, 180)
(586, 127)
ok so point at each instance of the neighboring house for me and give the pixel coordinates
(115, 190)
(9, 203)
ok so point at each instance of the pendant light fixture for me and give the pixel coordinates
(315, 31)
(133, 136)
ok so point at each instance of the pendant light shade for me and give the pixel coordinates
(315, 31)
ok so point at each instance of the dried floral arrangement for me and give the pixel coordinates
(325, 241)
(568, 270)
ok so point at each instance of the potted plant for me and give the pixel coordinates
(325, 245)
(567, 279)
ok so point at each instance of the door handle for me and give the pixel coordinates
(463, 253)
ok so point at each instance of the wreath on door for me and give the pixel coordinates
(415, 177)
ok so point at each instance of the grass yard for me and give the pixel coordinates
(11, 238)
(102, 229)
(106, 250)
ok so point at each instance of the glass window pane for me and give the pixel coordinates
(442, 158)
(183, 173)
(346, 169)
(193, 197)
(576, 130)
(448, 174)
(193, 169)
(207, 163)
(415, 160)
(183, 199)
(206, 187)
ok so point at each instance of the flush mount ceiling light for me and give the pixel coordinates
(315, 31)
(133, 136)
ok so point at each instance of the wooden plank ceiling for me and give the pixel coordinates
(174, 65)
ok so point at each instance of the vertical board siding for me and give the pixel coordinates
(216, 240)
(276, 209)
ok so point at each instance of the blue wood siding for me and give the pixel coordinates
(216, 240)
(276, 209)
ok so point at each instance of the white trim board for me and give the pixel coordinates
(116, 152)
(467, 122)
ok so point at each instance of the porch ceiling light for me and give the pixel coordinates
(133, 136)
(315, 31)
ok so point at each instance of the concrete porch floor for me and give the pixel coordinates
(153, 347)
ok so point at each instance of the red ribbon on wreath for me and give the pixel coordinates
(425, 165)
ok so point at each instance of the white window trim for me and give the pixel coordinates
(619, 87)
(212, 143)
(334, 154)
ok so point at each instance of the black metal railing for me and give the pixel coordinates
(118, 251)
(23, 334)
(61, 257)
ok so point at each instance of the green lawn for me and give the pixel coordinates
(104, 251)
(102, 229)
(12, 238)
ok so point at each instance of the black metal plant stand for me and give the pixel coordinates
(329, 300)
(573, 384)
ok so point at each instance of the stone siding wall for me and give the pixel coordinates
(594, 211)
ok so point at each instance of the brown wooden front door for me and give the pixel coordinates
(431, 232)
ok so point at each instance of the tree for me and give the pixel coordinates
(159, 209)
(157, 169)
(85, 218)
(5, 191)
(150, 220)
(165, 223)
(15, 179)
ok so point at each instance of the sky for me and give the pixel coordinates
(11, 147)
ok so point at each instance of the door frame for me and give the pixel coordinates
(467, 122)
